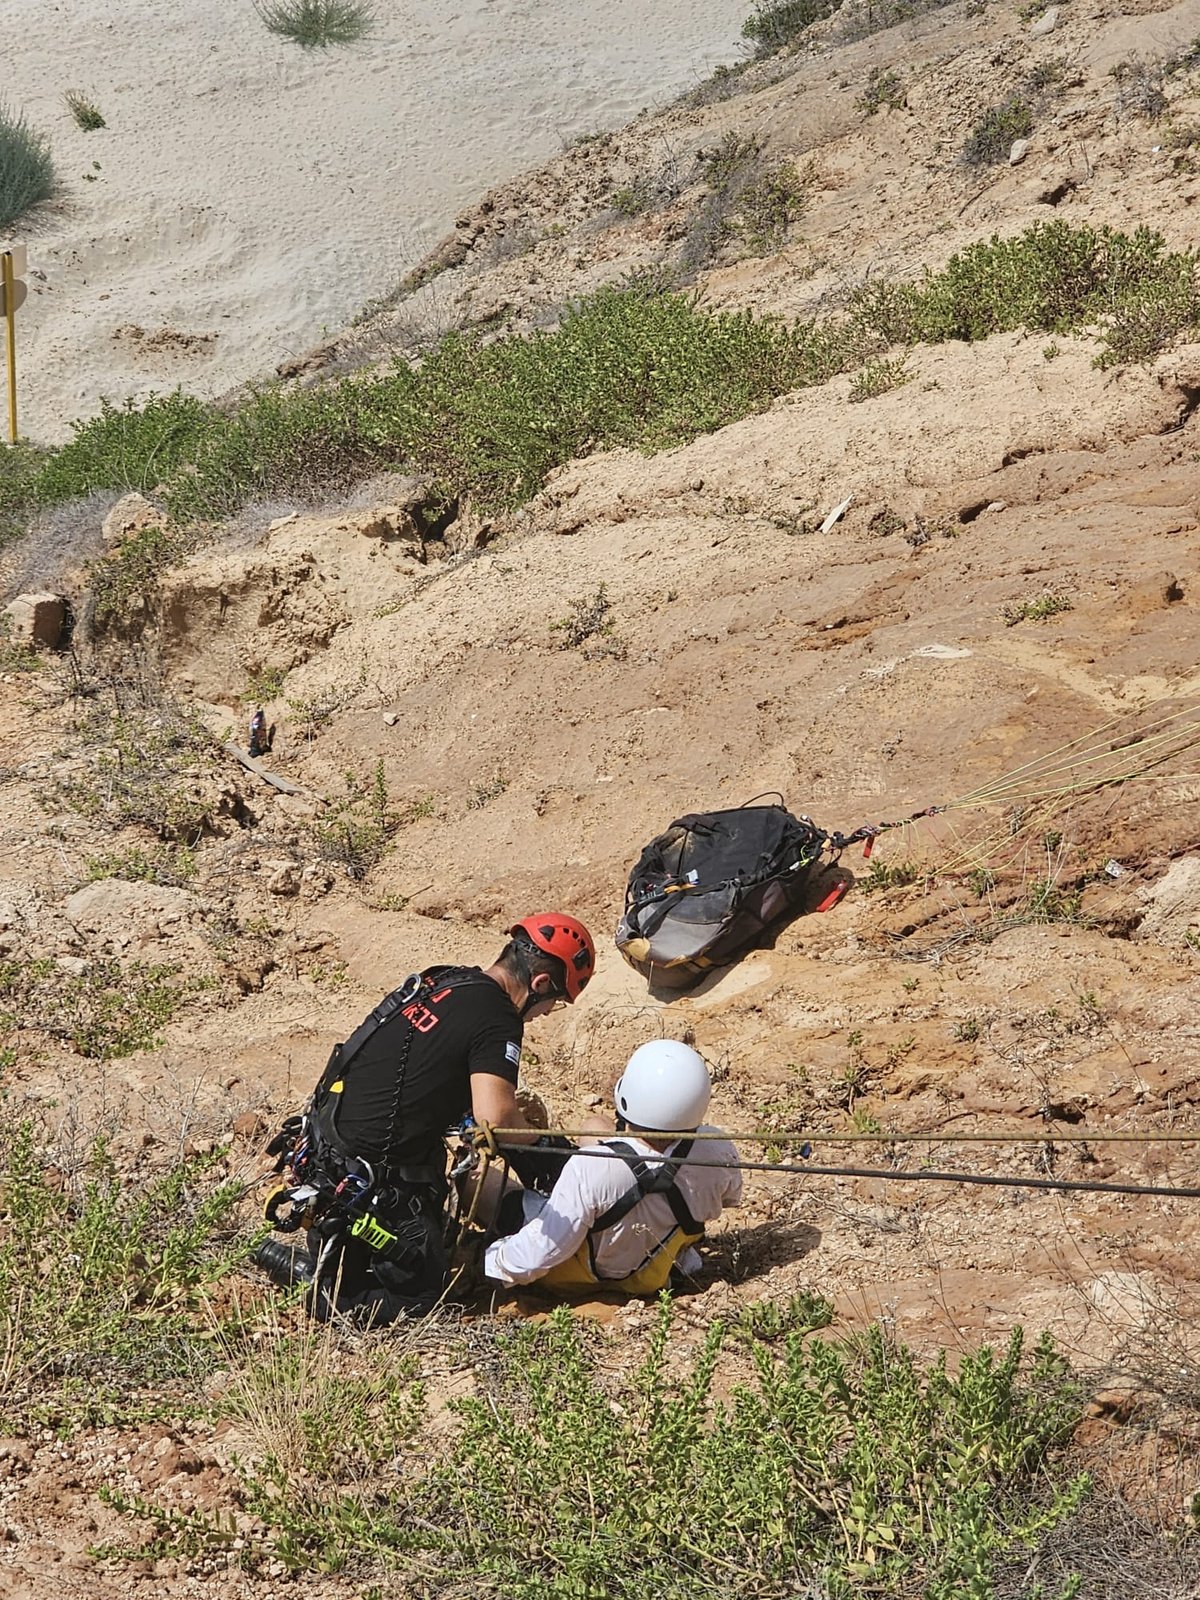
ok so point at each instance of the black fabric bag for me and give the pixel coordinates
(705, 890)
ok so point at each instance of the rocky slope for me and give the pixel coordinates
(652, 636)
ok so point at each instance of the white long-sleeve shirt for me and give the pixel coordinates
(588, 1185)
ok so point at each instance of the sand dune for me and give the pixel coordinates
(247, 196)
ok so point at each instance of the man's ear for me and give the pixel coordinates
(541, 985)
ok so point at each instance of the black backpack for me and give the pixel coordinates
(707, 889)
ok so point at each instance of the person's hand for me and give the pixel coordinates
(480, 1137)
(533, 1109)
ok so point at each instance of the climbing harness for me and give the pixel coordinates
(338, 1196)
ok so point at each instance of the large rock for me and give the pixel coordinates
(115, 906)
(38, 620)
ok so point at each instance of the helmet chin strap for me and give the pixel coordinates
(532, 998)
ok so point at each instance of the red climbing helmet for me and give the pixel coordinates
(565, 937)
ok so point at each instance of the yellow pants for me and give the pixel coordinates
(577, 1273)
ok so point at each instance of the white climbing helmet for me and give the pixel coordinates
(665, 1085)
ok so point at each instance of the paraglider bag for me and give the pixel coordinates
(705, 890)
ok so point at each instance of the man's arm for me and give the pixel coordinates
(552, 1237)
(494, 1101)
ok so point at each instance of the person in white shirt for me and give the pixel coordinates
(628, 1209)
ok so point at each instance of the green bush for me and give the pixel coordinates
(318, 23)
(102, 1283)
(993, 136)
(109, 1010)
(355, 829)
(26, 167)
(84, 109)
(775, 23)
(638, 366)
(127, 447)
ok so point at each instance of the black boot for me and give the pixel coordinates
(283, 1263)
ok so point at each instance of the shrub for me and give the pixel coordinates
(776, 23)
(767, 207)
(832, 1466)
(884, 88)
(85, 111)
(356, 828)
(126, 447)
(20, 467)
(318, 23)
(26, 167)
(102, 1282)
(993, 136)
(727, 171)
(636, 365)
(105, 1012)
(1141, 90)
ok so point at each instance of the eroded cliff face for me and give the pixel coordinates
(1016, 568)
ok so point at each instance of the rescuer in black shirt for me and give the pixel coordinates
(371, 1148)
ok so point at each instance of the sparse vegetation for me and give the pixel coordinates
(1049, 901)
(27, 177)
(141, 769)
(884, 88)
(896, 875)
(317, 24)
(172, 864)
(841, 1457)
(774, 24)
(102, 1283)
(994, 135)
(1040, 609)
(981, 882)
(263, 685)
(483, 794)
(84, 109)
(355, 829)
(103, 1012)
(878, 377)
(636, 366)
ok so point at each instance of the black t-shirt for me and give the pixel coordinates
(454, 1031)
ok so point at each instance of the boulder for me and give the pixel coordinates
(131, 514)
(37, 620)
(131, 908)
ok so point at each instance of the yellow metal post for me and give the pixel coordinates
(10, 318)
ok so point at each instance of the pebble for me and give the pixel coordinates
(1017, 154)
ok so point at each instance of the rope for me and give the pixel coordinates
(990, 1180)
(785, 1136)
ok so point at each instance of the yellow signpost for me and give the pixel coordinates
(12, 295)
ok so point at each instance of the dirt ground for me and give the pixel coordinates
(1041, 973)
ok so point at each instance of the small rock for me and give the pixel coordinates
(1020, 149)
(284, 878)
(697, 484)
(997, 505)
(591, 1101)
(250, 1125)
(1046, 23)
(37, 620)
(130, 515)
(391, 718)
(17, 1450)
(72, 966)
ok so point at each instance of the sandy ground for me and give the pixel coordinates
(247, 197)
